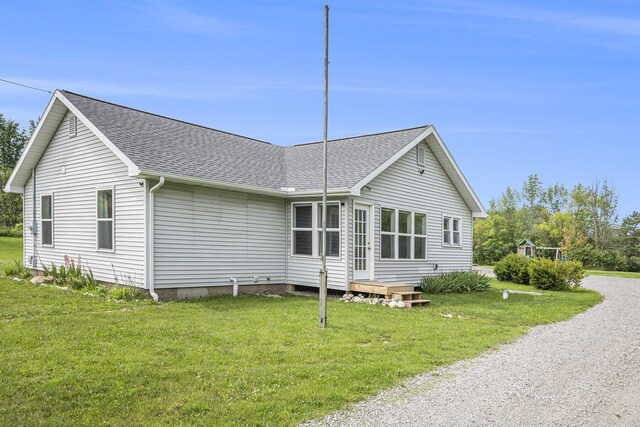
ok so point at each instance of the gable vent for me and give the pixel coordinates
(73, 126)
(420, 154)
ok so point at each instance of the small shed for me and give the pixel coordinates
(527, 248)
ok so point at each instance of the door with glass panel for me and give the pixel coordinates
(362, 243)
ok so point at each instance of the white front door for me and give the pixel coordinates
(362, 242)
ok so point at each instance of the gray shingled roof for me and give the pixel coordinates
(168, 146)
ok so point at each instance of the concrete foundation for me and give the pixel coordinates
(209, 291)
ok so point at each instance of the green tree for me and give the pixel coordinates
(532, 197)
(594, 209)
(629, 233)
(555, 198)
(12, 142)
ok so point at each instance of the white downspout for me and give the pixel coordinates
(150, 238)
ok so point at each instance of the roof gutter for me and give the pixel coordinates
(283, 192)
(151, 254)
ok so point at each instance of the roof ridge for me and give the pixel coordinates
(165, 117)
(362, 136)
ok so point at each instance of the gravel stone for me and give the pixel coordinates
(584, 371)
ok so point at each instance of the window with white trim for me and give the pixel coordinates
(387, 233)
(451, 231)
(403, 234)
(306, 229)
(303, 229)
(420, 236)
(46, 220)
(104, 220)
(333, 229)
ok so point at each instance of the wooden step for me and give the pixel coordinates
(406, 295)
(417, 302)
(379, 288)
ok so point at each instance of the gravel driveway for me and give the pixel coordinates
(585, 371)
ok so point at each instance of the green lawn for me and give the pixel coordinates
(627, 274)
(67, 358)
(10, 249)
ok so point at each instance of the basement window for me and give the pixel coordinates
(104, 220)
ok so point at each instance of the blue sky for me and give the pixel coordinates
(513, 88)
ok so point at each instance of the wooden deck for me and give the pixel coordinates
(398, 291)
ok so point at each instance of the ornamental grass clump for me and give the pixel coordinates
(455, 282)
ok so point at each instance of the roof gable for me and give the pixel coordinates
(152, 145)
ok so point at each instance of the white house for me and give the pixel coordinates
(185, 210)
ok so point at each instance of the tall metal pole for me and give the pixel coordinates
(323, 255)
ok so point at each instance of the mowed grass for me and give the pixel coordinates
(626, 274)
(10, 250)
(67, 358)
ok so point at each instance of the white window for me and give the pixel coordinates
(46, 220)
(451, 231)
(333, 229)
(303, 229)
(387, 233)
(403, 234)
(306, 229)
(420, 236)
(104, 220)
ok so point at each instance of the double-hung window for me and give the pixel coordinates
(307, 229)
(333, 229)
(420, 236)
(303, 229)
(403, 234)
(46, 220)
(104, 220)
(387, 233)
(451, 231)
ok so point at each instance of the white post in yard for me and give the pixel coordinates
(323, 255)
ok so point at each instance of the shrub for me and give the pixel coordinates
(455, 282)
(11, 232)
(127, 293)
(17, 269)
(513, 268)
(545, 275)
(554, 275)
(590, 257)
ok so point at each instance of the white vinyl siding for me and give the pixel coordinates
(401, 186)
(304, 270)
(74, 168)
(205, 236)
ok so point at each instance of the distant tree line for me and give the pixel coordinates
(583, 222)
(12, 142)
